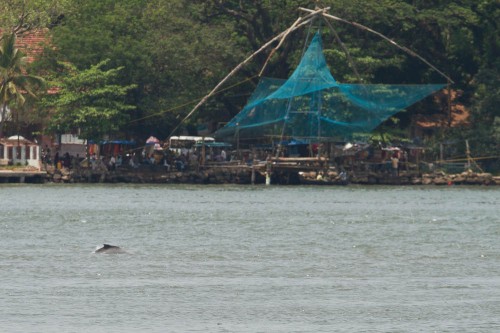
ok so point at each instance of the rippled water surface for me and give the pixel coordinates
(249, 259)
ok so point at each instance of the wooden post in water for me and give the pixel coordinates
(467, 152)
(238, 141)
(253, 165)
(418, 162)
(203, 152)
(470, 160)
(253, 173)
(269, 166)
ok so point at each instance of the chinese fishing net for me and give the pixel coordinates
(312, 104)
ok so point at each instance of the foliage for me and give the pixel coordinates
(15, 84)
(88, 101)
(23, 15)
(484, 133)
(176, 51)
(190, 56)
(168, 51)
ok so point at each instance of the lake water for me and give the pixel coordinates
(249, 259)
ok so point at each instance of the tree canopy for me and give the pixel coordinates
(176, 51)
(20, 16)
(88, 101)
(14, 82)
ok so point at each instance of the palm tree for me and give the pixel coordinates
(14, 82)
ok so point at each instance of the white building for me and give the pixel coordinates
(18, 150)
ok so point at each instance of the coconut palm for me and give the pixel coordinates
(14, 82)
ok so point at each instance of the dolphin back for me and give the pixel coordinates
(109, 249)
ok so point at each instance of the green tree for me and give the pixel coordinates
(20, 16)
(484, 132)
(88, 101)
(168, 48)
(190, 53)
(177, 50)
(14, 83)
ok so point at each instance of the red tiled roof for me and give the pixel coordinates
(459, 113)
(32, 43)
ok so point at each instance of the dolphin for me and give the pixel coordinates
(109, 249)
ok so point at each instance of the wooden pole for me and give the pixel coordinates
(273, 51)
(467, 151)
(418, 162)
(344, 48)
(304, 20)
(450, 118)
(203, 152)
(470, 160)
(253, 173)
(238, 141)
(441, 155)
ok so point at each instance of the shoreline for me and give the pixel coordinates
(240, 174)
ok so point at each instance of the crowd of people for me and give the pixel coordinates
(389, 161)
(167, 159)
(59, 161)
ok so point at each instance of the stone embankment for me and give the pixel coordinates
(437, 178)
(244, 175)
(155, 175)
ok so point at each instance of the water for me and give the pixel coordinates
(249, 259)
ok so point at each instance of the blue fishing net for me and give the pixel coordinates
(312, 104)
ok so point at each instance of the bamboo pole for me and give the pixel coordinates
(363, 27)
(273, 51)
(305, 20)
(450, 117)
(344, 48)
(471, 160)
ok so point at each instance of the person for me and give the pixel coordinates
(405, 160)
(395, 165)
(223, 155)
(165, 163)
(66, 160)
(112, 163)
(75, 161)
(56, 159)
(132, 163)
(179, 163)
(343, 177)
(93, 161)
(193, 161)
(119, 160)
(46, 155)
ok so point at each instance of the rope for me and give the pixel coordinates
(289, 103)
(363, 27)
(472, 158)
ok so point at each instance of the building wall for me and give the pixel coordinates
(22, 154)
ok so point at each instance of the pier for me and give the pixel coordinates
(16, 176)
